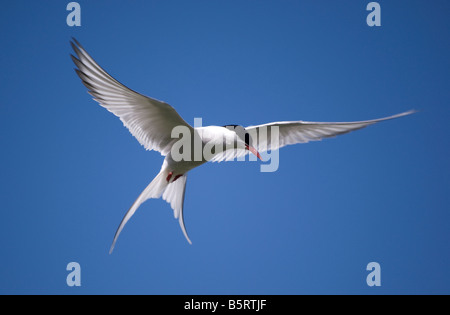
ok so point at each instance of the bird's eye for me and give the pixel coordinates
(247, 138)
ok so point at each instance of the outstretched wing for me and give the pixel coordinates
(149, 120)
(292, 132)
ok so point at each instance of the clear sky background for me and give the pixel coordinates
(70, 170)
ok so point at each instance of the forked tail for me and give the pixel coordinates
(154, 190)
(173, 193)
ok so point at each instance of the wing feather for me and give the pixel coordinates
(293, 132)
(149, 120)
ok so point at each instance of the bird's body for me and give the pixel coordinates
(157, 126)
(200, 140)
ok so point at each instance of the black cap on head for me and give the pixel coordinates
(241, 132)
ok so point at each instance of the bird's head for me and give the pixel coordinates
(244, 136)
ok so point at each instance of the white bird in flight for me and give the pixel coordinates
(151, 121)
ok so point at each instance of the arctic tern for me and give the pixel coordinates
(152, 121)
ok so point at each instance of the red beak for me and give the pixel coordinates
(253, 150)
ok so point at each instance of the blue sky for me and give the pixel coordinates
(70, 170)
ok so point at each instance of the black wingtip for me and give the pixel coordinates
(76, 45)
(74, 40)
(74, 58)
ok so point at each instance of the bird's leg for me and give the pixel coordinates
(176, 177)
(169, 177)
